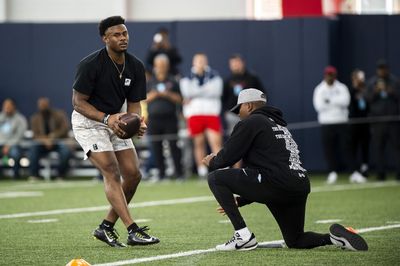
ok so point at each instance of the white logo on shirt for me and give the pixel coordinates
(291, 146)
(127, 82)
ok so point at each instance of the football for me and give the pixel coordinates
(132, 126)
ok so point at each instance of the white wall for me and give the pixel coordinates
(187, 9)
(3, 10)
(133, 10)
(63, 10)
(163, 10)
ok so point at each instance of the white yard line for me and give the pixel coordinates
(329, 221)
(106, 207)
(383, 227)
(202, 251)
(20, 194)
(190, 200)
(42, 221)
(160, 257)
(50, 185)
(328, 188)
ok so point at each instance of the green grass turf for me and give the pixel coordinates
(189, 226)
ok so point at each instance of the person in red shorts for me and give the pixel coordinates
(201, 92)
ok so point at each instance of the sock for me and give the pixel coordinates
(244, 232)
(202, 170)
(132, 227)
(107, 225)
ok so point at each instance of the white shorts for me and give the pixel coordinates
(94, 136)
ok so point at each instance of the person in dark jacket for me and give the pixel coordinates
(162, 45)
(240, 78)
(272, 174)
(384, 103)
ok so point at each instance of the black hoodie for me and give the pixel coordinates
(264, 143)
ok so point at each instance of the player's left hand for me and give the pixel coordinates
(206, 160)
(142, 129)
(222, 211)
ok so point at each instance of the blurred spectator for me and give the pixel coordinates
(50, 130)
(384, 101)
(161, 45)
(331, 101)
(12, 128)
(239, 79)
(383, 72)
(163, 99)
(202, 92)
(359, 132)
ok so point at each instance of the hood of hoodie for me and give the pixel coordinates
(273, 113)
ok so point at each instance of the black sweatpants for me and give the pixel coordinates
(386, 136)
(165, 126)
(333, 137)
(289, 211)
(359, 143)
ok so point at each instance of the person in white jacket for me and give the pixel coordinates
(201, 93)
(331, 100)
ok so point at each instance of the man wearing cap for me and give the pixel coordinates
(331, 100)
(272, 174)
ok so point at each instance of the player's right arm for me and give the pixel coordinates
(82, 106)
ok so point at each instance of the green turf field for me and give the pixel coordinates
(52, 224)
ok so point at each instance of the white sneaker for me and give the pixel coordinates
(332, 177)
(347, 238)
(153, 179)
(358, 178)
(238, 243)
(364, 168)
(202, 171)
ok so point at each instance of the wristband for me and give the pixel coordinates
(105, 119)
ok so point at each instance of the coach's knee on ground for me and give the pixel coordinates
(303, 241)
(292, 243)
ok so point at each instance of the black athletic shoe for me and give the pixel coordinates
(347, 238)
(140, 237)
(110, 237)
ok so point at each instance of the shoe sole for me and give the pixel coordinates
(248, 248)
(254, 246)
(349, 239)
(143, 243)
(111, 245)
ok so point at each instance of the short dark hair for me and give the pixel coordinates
(163, 30)
(236, 56)
(109, 22)
(12, 100)
(382, 63)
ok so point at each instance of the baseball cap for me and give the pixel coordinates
(382, 63)
(247, 96)
(330, 70)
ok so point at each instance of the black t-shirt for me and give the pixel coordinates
(162, 107)
(98, 78)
